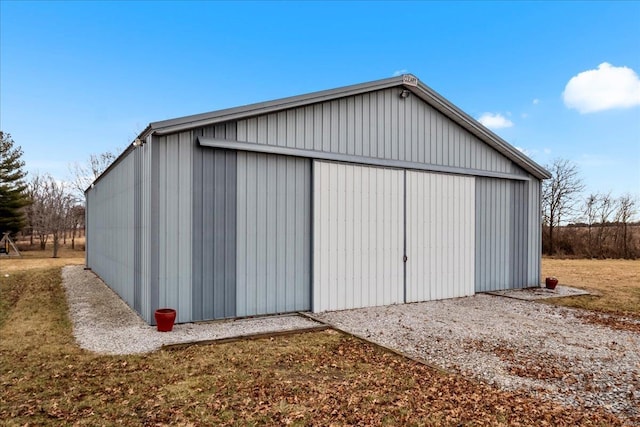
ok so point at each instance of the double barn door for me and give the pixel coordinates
(387, 236)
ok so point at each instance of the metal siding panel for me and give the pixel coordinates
(304, 248)
(283, 210)
(309, 127)
(318, 127)
(272, 129)
(357, 126)
(271, 189)
(281, 128)
(379, 124)
(286, 168)
(175, 222)
(242, 246)
(357, 258)
(208, 250)
(366, 125)
(481, 255)
(252, 129)
(153, 216)
(169, 235)
(503, 257)
(241, 127)
(260, 281)
(404, 135)
(186, 146)
(334, 134)
(112, 229)
(390, 152)
(394, 124)
(371, 147)
(380, 121)
(325, 135)
(291, 125)
(298, 128)
(230, 234)
(261, 129)
(534, 233)
(217, 261)
(198, 245)
(416, 131)
(272, 222)
(518, 246)
(137, 236)
(341, 125)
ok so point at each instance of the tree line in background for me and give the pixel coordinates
(42, 208)
(598, 226)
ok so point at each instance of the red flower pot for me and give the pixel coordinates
(165, 318)
(551, 282)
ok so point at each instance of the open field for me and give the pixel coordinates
(33, 258)
(616, 281)
(308, 379)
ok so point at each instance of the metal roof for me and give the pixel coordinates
(407, 81)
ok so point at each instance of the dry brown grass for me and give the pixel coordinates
(37, 259)
(616, 281)
(318, 378)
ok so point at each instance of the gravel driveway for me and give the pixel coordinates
(103, 323)
(553, 352)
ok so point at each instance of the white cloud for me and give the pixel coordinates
(547, 151)
(524, 115)
(495, 121)
(400, 72)
(535, 101)
(606, 88)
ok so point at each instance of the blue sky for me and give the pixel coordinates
(80, 78)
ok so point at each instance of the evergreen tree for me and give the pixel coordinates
(13, 197)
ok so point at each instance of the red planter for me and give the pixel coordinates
(165, 318)
(551, 282)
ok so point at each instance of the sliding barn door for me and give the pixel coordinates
(440, 236)
(358, 236)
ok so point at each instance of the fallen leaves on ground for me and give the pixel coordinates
(320, 378)
(613, 321)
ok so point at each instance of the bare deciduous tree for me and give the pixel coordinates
(51, 203)
(559, 196)
(76, 216)
(604, 210)
(590, 209)
(626, 209)
(83, 174)
(36, 213)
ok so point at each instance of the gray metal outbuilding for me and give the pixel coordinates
(373, 194)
